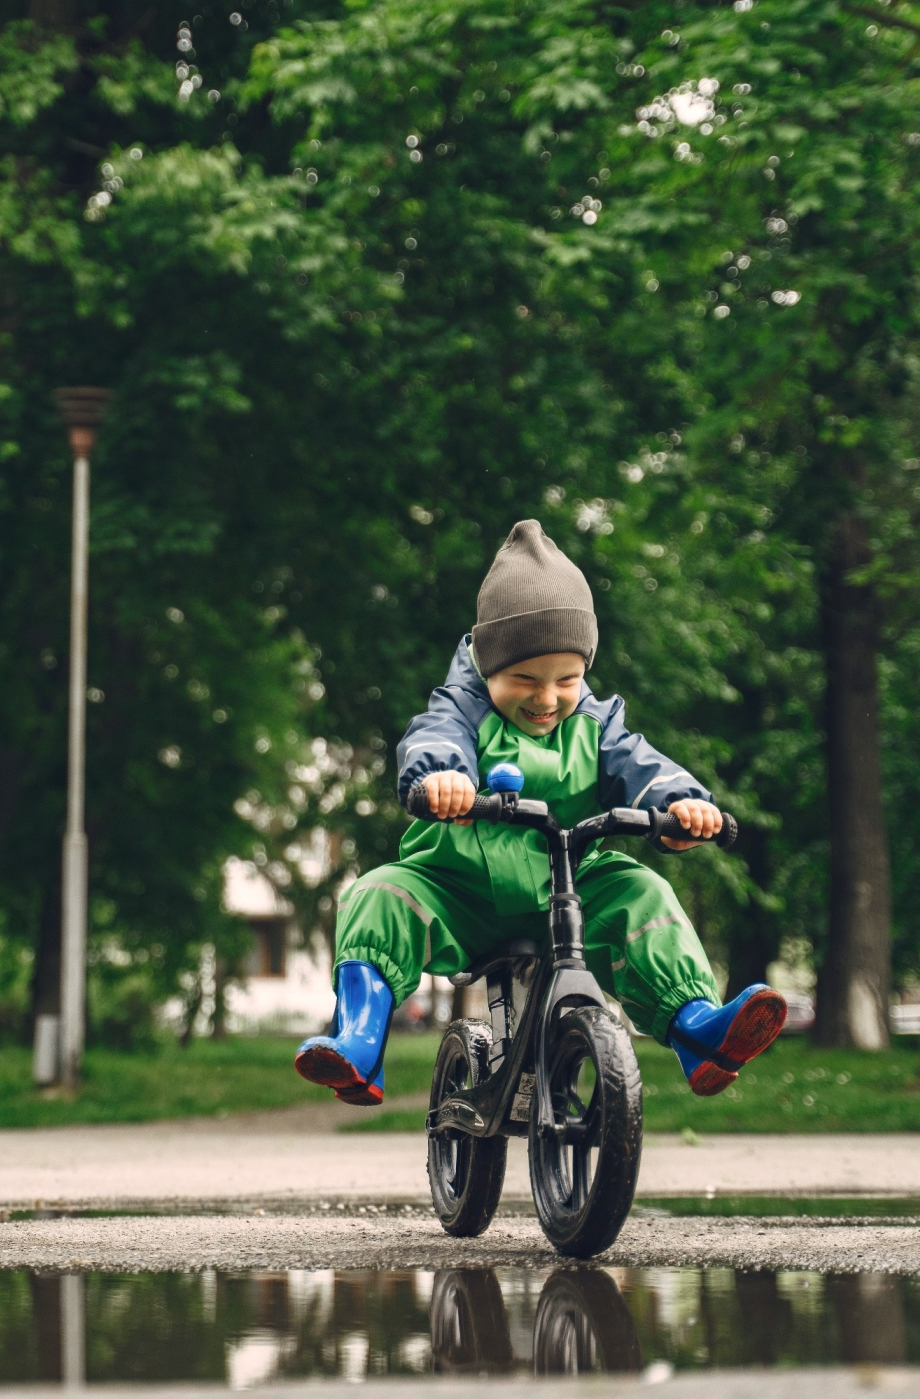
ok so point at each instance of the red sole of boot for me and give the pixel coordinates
(753, 1030)
(323, 1065)
(370, 1096)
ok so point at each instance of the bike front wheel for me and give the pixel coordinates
(583, 1173)
(465, 1173)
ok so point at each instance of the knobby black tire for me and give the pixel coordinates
(581, 1210)
(465, 1173)
(584, 1326)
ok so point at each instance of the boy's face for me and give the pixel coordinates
(538, 694)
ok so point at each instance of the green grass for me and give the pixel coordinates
(210, 1078)
(791, 1088)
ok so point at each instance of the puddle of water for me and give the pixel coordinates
(875, 1207)
(759, 1206)
(256, 1328)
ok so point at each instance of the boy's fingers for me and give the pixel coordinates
(700, 820)
(449, 795)
(440, 798)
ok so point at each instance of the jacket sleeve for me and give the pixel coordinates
(633, 773)
(443, 739)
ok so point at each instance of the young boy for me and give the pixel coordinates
(516, 693)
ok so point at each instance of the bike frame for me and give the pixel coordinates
(502, 1105)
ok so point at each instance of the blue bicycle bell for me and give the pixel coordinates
(505, 777)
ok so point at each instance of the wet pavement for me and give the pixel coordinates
(276, 1158)
(261, 1254)
(271, 1328)
(366, 1236)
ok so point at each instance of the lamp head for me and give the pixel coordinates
(83, 410)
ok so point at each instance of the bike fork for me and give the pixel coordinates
(571, 984)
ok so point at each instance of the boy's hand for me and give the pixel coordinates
(450, 794)
(699, 819)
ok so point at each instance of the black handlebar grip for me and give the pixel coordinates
(417, 803)
(670, 826)
(484, 808)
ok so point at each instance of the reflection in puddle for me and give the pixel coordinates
(255, 1328)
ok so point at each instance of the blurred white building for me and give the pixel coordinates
(287, 989)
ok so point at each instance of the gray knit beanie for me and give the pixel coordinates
(533, 602)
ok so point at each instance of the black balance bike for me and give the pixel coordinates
(560, 1070)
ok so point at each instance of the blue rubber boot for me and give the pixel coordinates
(714, 1042)
(350, 1058)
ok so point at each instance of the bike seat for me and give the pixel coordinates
(515, 950)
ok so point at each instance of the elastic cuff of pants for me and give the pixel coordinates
(676, 997)
(387, 968)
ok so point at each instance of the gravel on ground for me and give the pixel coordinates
(365, 1237)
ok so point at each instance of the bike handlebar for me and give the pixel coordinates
(508, 807)
(669, 825)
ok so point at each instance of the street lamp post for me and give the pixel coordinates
(83, 410)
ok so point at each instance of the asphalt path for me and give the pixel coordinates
(831, 1383)
(269, 1191)
(280, 1160)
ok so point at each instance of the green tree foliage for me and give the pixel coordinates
(773, 152)
(373, 283)
(197, 689)
(518, 115)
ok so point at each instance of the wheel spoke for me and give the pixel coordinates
(581, 1182)
(591, 1122)
(576, 1103)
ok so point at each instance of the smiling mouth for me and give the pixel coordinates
(538, 718)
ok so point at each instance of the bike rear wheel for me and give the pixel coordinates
(583, 1176)
(465, 1173)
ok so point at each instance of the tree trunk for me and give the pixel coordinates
(192, 1007)
(219, 1018)
(45, 1290)
(869, 1308)
(854, 981)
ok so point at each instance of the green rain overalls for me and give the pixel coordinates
(458, 890)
